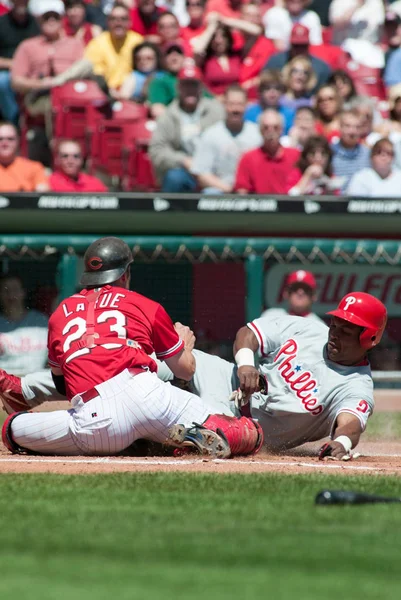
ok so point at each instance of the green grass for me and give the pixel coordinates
(383, 426)
(194, 536)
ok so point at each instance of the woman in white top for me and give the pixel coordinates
(381, 180)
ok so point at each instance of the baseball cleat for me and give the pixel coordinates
(206, 442)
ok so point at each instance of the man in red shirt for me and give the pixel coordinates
(68, 177)
(144, 18)
(100, 341)
(196, 26)
(265, 170)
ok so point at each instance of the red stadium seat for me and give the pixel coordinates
(140, 174)
(367, 80)
(77, 107)
(128, 111)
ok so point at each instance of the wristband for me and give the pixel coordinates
(344, 441)
(245, 358)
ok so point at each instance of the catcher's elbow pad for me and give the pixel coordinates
(244, 435)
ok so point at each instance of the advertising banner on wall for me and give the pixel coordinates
(334, 281)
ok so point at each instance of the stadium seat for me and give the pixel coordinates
(367, 80)
(77, 107)
(127, 110)
(140, 174)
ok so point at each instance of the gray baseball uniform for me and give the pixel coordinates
(307, 391)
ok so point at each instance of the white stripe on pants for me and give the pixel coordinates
(127, 408)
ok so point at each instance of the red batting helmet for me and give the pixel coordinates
(366, 311)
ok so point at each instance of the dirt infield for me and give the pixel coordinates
(378, 457)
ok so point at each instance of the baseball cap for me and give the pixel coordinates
(173, 47)
(299, 35)
(190, 73)
(38, 8)
(301, 276)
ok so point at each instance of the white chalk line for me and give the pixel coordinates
(184, 462)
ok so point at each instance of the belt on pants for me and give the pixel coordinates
(93, 392)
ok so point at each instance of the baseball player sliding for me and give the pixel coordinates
(319, 381)
(318, 384)
(100, 341)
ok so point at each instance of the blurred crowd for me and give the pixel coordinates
(233, 96)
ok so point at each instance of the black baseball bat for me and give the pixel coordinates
(330, 497)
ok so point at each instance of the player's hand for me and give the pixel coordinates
(332, 449)
(186, 334)
(248, 380)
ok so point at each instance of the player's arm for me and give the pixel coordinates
(347, 432)
(174, 345)
(245, 346)
(58, 380)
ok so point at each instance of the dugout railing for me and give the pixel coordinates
(168, 261)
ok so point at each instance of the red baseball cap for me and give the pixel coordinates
(299, 35)
(190, 73)
(305, 277)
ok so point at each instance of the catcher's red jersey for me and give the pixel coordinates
(142, 325)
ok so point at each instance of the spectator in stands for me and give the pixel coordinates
(349, 155)
(41, 57)
(144, 19)
(169, 32)
(356, 26)
(328, 109)
(356, 19)
(177, 133)
(225, 8)
(300, 47)
(219, 61)
(391, 34)
(303, 128)
(68, 176)
(365, 108)
(147, 65)
(266, 170)
(380, 180)
(313, 174)
(23, 332)
(344, 85)
(271, 89)
(222, 145)
(75, 23)
(392, 126)
(196, 26)
(279, 21)
(111, 52)
(15, 27)
(18, 174)
(163, 89)
(392, 71)
(299, 81)
(256, 49)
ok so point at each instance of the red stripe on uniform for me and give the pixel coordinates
(259, 336)
(172, 351)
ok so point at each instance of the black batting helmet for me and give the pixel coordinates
(105, 261)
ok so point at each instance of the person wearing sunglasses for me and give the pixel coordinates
(18, 174)
(68, 176)
(299, 80)
(381, 179)
(328, 106)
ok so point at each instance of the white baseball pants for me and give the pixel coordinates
(128, 408)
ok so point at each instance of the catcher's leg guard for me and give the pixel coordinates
(207, 442)
(244, 435)
(7, 437)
